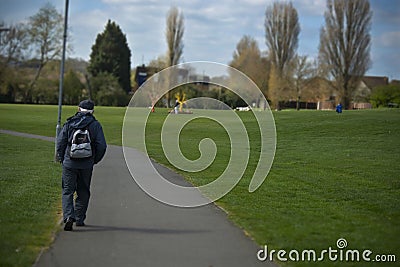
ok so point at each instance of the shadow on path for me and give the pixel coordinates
(101, 228)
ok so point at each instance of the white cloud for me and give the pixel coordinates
(212, 28)
(257, 2)
(390, 39)
(127, 2)
(310, 7)
(386, 12)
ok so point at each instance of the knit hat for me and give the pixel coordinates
(86, 105)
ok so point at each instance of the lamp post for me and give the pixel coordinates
(60, 91)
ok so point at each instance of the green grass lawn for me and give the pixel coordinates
(334, 176)
(30, 182)
(42, 119)
(30, 197)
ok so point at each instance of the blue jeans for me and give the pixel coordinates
(75, 180)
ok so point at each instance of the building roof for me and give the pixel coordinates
(374, 81)
(396, 82)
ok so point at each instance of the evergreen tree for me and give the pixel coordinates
(111, 54)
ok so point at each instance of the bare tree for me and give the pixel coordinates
(282, 29)
(12, 43)
(45, 30)
(160, 62)
(303, 71)
(174, 35)
(345, 42)
(248, 59)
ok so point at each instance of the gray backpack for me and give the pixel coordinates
(81, 144)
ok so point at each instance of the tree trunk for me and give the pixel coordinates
(346, 99)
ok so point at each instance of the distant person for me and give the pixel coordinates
(176, 107)
(80, 145)
(339, 108)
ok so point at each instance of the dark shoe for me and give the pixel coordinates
(68, 225)
(80, 224)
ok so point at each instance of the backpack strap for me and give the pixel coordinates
(81, 128)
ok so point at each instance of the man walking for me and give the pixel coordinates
(80, 145)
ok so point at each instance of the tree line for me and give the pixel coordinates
(30, 53)
(30, 64)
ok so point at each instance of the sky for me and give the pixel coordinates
(212, 28)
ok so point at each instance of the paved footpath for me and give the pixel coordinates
(126, 227)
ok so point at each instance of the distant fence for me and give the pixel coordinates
(361, 105)
(302, 105)
(330, 105)
(325, 105)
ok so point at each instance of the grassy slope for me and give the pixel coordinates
(42, 119)
(30, 199)
(30, 185)
(333, 176)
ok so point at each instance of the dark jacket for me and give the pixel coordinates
(81, 120)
